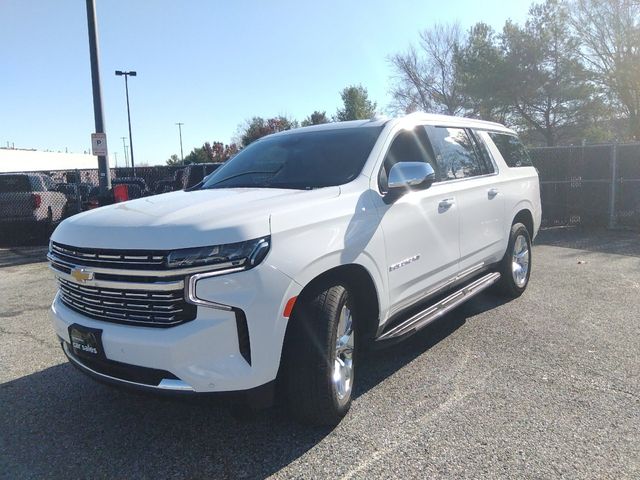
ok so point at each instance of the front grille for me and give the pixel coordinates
(140, 307)
(124, 259)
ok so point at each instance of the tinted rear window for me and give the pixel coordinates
(511, 149)
(14, 183)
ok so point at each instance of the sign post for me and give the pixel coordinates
(104, 178)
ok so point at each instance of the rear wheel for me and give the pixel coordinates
(515, 267)
(319, 356)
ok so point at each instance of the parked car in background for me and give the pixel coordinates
(195, 173)
(186, 177)
(165, 185)
(74, 198)
(85, 190)
(30, 200)
(303, 248)
(137, 186)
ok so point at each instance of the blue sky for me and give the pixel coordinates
(208, 64)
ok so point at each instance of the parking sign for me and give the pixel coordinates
(99, 144)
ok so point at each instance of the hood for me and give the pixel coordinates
(183, 219)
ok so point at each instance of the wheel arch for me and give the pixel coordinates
(360, 283)
(525, 217)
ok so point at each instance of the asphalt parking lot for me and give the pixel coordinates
(546, 386)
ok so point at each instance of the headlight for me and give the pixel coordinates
(249, 254)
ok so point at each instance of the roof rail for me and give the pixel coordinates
(377, 117)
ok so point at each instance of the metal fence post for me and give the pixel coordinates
(78, 192)
(612, 190)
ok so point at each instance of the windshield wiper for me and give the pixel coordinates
(253, 172)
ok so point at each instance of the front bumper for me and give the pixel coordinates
(204, 354)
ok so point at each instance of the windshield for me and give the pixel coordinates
(304, 160)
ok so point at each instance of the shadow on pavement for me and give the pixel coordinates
(620, 242)
(18, 247)
(58, 423)
(10, 257)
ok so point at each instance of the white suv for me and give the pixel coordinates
(307, 246)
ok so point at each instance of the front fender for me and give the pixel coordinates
(309, 241)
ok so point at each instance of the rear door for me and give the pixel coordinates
(466, 166)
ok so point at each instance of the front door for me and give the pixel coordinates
(420, 228)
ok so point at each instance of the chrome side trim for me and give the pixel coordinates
(429, 314)
(177, 272)
(469, 271)
(158, 286)
(438, 288)
(193, 298)
(165, 384)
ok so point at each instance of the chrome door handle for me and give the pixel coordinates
(446, 203)
(492, 192)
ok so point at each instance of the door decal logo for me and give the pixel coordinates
(404, 262)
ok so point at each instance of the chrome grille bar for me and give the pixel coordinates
(123, 259)
(95, 300)
(160, 286)
(56, 260)
(119, 305)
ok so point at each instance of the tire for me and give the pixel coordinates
(515, 266)
(319, 356)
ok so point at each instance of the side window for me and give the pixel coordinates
(37, 185)
(408, 146)
(48, 183)
(455, 152)
(483, 151)
(511, 149)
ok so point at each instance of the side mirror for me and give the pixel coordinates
(405, 176)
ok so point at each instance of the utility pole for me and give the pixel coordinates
(180, 130)
(104, 178)
(124, 147)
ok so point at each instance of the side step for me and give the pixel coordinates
(429, 314)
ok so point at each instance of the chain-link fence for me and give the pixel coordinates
(591, 185)
(32, 203)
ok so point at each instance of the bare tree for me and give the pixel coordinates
(609, 33)
(425, 76)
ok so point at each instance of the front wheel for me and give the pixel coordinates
(515, 267)
(319, 356)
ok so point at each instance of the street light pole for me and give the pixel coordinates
(104, 179)
(126, 87)
(180, 130)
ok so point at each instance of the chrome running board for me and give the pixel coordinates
(429, 314)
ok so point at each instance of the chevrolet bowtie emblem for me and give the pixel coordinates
(82, 275)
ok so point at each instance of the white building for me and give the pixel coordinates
(14, 160)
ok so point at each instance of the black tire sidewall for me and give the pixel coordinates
(309, 354)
